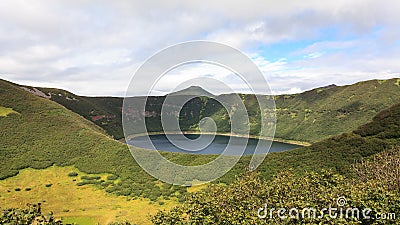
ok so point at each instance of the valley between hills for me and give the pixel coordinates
(62, 150)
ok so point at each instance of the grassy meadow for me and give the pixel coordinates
(85, 205)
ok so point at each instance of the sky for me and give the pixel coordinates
(94, 47)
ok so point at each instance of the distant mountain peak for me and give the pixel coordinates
(192, 90)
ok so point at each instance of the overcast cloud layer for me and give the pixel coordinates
(94, 47)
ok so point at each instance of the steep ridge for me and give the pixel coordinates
(42, 133)
(339, 152)
(310, 116)
(324, 112)
(103, 111)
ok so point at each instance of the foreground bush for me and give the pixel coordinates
(251, 200)
(383, 168)
(33, 215)
(30, 215)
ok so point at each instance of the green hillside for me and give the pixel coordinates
(339, 152)
(362, 168)
(103, 111)
(43, 133)
(323, 112)
(37, 133)
(67, 132)
(310, 116)
(384, 125)
(297, 176)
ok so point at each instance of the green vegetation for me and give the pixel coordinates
(79, 221)
(339, 152)
(382, 167)
(310, 116)
(385, 125)
(73, 203)
(73, 174)
(75, 141)
(103, 111)
(38, 137)
(298, 179)
(90, 177)
(5, 111)
(112, 177)
(43, 133)
(30, 215)
(241, 201)
(335, 109)
(120, 223)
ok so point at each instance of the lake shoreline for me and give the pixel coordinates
(281, 140)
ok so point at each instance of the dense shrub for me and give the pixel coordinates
(87, 182)
(385, 124)
(90, 177)
(73, 174)
(33, 215)
(245, 199)
(112, 177)
(107, 183)
(383, 168)
(30, 215)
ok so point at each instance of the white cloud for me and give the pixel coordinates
(314, 55)
(293, 90)
(93, 48)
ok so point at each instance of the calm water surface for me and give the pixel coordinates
(217, 145)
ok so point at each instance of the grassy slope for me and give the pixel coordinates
(5, 111)
(324, 112)
(340, 151)
(92, 106)
(44, 133)
(310, 116)
(384, 125)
